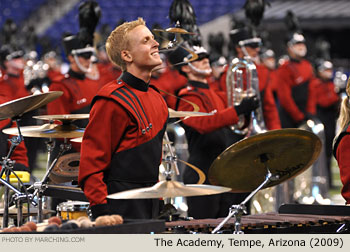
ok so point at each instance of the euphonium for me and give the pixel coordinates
(242, 81)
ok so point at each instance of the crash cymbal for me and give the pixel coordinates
(287, 153)
(175, 30)
(69, 117)
(66, 168)
(48, 131)
(175, 114)
(169, 189)
(18, 107)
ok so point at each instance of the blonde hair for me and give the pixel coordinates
(344, 116)
(118, 41)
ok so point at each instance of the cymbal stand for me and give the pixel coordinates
(41, 186)
(239, 210)
(7, 168)
(171, 161)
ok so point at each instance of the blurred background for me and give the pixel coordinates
(325, 23)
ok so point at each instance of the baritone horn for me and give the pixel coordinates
(242, 81)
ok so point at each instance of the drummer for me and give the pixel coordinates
(122, 144)
(210, 135)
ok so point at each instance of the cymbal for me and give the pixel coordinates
(80, 139)
(66, 168)
(174, 114)
(69, 117)
(169, 189)
(25, 104)
(175, 30)
(287, 152)
(48, 131)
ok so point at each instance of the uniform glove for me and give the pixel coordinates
(248, 104)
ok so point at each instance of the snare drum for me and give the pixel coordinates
(72, 209)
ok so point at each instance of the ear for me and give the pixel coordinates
(126, 56)
(70, 58)
(185, 69)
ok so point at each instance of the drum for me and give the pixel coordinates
(72, 210)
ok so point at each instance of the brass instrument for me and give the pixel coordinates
(242, 81)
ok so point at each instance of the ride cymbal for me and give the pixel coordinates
(68, 117)
(18, 107)
(286, 152)
(48, 131)
(169, 189)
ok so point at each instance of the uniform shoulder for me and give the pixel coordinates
(110, 87)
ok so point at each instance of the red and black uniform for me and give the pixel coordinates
(122, 146)
(270, 111)
(327, 111)
(207, 137)
(295, 92)
(341, 150)
(12, 87)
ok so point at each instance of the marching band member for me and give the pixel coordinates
(295, 89)
(327, 108)
(122, 144)
(341, 147)
(246, 44)
(207, 136)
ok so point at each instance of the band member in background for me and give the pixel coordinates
(122, 144)
(248, 45)
(207, 136)
(327, 107)
(295, 89)
(341, 147)
(12, 87)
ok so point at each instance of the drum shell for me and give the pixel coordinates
(72, 210)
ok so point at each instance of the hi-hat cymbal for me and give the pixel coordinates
(18, 107)
(286, 152)
(169, 189)
(48, 131)
(175, 114)
(69, 117)
(175, 30)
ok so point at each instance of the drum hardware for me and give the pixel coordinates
(280, 154)
(177, 30)
(72, 210)
(15, 109)
(41, 186)
(238, 210)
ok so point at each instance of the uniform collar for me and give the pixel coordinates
(79, 76)
(134, 82)
(198, 84)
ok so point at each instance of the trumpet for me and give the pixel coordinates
(242, 81)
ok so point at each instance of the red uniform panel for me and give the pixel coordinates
(208, 101)
(325, 94)
(343, 158)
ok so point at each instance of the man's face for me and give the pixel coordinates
(143, 49)
(202, 65)
(84, 61)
